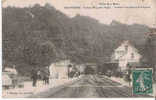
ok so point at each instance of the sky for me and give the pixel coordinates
(146, 16)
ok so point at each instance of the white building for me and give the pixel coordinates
(10, 70)
(81, 68)
(8, 75)
(59, 70)
(124, 54)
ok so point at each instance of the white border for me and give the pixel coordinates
(1, 49)
(48, 98)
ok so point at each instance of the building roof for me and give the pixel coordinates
(126, 43)
(91, 64)
(134, 64)
(10, 70)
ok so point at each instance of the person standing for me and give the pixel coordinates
(47, 75)
(39, 74)
(34, 77)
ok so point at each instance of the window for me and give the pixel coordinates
(132, 55)
(120, 52)
(126, 48)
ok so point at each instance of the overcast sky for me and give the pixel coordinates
(145, 16)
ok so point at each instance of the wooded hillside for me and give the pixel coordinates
(40, 35)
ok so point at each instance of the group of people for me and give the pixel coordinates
(73, 71)
(40, 74)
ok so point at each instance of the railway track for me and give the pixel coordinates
(92, 86)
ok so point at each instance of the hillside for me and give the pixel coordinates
(39, 35)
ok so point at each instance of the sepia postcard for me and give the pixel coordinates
(78, 48)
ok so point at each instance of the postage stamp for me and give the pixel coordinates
(142, 81)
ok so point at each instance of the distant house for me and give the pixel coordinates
(60, 69)
(9, 76)
(90, 68)
(124, 54)
(107, 66)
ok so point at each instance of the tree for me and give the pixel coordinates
(39, 54)
(150, 50)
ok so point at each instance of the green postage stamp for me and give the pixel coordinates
(142, 81)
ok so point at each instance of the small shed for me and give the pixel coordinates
(90, 68)
(59, 69)
(108, 66)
